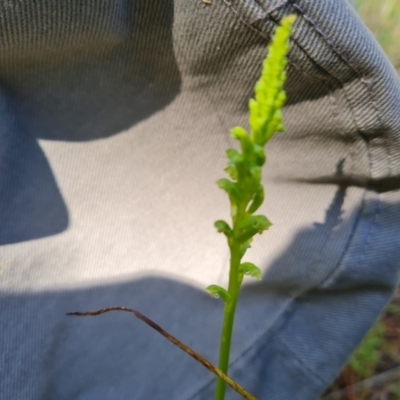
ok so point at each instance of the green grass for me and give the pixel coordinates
(367, 356)
(378, 351)
(383, 19)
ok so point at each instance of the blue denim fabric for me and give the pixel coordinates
(114, 120)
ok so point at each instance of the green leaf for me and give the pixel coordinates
(235, 161)
(245, 246)
(219, 292)
(231, 189)
(246, 235)
(258, 222)
(223, 227)
(250, 226)
(240, 134)
(258, 199)
(234, 156)
(253, 182)
(246, 144)
(232, 171)
(260, 155)
(250, 269)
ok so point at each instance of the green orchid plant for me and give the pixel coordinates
(245, 190)
(246, 194)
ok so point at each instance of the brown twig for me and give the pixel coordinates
(234, 385)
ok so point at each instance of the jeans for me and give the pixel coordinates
(115, 116)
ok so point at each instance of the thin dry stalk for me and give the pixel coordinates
(234, 385)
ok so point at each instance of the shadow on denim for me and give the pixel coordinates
(71, 94)
(286, 341)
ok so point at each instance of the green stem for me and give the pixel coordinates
(245, 170)
(229, 316)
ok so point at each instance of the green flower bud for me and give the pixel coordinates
(258, 199)
(223, 227)
(219, 292)
(250, 269)
(231, 189)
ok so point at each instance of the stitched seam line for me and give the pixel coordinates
(300, 360)
(334, 105)
(362, 77)
(324, 37)
(273, 332)
(341, 264)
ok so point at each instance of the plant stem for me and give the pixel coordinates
(235, 279)
(245, 190)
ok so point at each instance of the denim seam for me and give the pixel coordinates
(299, 359)
(328, 281)
(311, 22)
(278, 325)
(294, 3)
(272, 334)
(367, 83)
(371, 231)
(330, 92)
(362, 77)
